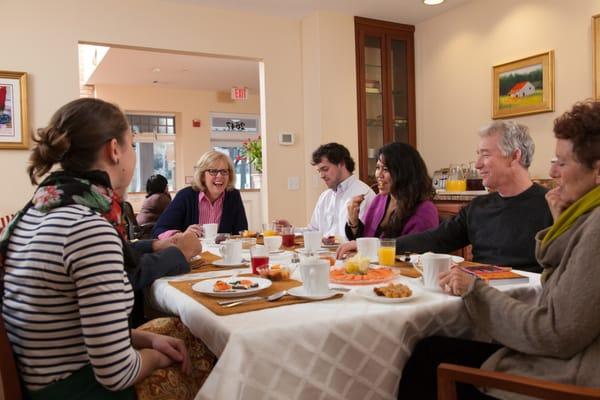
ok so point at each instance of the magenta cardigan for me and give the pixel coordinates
(425, 217)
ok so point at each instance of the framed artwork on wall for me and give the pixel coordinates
(14, 127)
(596, 52)
(524, 86)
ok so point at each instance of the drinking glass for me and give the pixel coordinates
(287, 233)
(387, 252)
(259, 258)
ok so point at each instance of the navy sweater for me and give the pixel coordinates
(183, 212)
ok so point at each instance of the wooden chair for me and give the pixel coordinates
(4, 221)
(449, 374)
(134, 230)
(10, 387)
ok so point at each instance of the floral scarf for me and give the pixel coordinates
(91, 189)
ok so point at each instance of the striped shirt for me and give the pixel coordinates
(210, 213)
(67, 299)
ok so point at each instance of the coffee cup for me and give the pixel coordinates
(368, 247)
(231, 250)
(210, 230)
(315, 276)
(273, 243)
(312, 241)
(434, 264)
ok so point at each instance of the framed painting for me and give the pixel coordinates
(524, 86)
(596, 51)
(14, 128)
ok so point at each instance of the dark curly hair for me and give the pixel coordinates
(411, 184)
(156, 184)
(335, 153)
(581, 126)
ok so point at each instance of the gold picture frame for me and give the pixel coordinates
(14, 126)
(524, 86)
(596, 54)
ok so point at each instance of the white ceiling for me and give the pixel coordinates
(402, 11)
(136, 67)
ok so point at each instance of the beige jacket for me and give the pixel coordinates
(557, 339)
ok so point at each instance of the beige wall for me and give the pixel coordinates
(455, 53)
(44, 37)
(188, 105)
(330, 104)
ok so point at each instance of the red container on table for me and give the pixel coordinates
(259, 262)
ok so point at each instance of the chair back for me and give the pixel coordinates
(5, 220)
(10, 387)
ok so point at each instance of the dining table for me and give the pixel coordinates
(346, 347)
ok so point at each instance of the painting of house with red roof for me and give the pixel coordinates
(524, 86)
(522, 89)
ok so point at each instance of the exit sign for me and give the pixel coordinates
(239, 93)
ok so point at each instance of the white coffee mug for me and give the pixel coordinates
(231, 250)
(315, 276)
(210, 230)
(273, 243)
(312, 241)
(368, 247)
(433, 265)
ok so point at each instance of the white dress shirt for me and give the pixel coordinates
(331, 211)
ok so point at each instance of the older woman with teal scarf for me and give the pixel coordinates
(558, 337)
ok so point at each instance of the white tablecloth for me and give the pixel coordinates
(347, 348)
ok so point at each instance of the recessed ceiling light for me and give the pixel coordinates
(156, 69)
(433, 2)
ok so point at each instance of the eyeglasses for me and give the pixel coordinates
(215, 172)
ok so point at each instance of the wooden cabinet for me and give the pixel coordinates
(385, 73)
(448, 209)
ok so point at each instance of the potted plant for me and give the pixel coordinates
(252, 151)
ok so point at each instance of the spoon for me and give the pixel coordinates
(272, 297)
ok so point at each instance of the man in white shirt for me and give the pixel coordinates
(335, 166)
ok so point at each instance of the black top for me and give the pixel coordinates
(500, 229)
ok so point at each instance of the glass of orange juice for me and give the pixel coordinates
(269, 229)
(387, 252)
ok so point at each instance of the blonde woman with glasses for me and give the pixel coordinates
(211, 199)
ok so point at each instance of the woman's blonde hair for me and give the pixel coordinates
(204, 164)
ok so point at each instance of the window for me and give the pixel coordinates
(228, 133)
(154, 138)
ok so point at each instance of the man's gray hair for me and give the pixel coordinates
(513, 136)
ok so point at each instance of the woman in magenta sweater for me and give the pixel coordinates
(403, 205)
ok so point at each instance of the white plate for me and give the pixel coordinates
(369, 294)
(299, 292)
(277, 251)
(414, 258)
(206, 287)
(222, 263)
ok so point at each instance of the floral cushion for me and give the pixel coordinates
(170, 383)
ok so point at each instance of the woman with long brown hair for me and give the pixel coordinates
(67, 297)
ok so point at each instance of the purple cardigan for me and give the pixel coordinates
(425, 217)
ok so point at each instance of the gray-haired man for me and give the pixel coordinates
(501, 225)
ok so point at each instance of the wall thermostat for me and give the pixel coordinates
(286, 139)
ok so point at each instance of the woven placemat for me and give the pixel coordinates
(212, 302)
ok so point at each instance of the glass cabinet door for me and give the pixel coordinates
(399, 86)
(385, 89)
(374, 99)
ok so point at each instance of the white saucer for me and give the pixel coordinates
(276, 251)
(299, 292)
(369, 294)
(302, 250)
(222, 263)
(414, 258)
